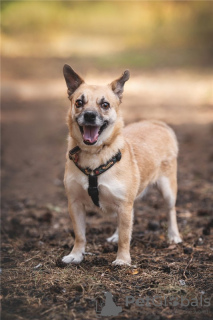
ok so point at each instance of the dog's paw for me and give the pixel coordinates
(72, 258)
(174, 238)
(113, 238)
(120, 262)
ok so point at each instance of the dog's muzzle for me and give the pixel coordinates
(91, 125)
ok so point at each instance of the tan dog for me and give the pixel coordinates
(126, 160)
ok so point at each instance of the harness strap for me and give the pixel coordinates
(93, 174)
(93, 189)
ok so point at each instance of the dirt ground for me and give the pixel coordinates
(37, 230)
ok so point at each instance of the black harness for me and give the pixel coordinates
(93, 174)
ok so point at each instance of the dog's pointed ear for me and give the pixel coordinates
(118, 84)
(73, 80)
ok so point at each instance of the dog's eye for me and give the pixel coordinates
(79, 103)
(105, 105)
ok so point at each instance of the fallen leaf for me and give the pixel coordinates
(162, 237)
(172, 246)
(134, 271)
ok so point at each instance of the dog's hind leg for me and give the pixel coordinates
(167, 185)
(114, 237)
(78, 217)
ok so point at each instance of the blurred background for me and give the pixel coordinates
(167, 46)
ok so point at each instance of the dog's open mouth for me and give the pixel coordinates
(91, 133)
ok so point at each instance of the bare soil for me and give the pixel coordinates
(37, 230)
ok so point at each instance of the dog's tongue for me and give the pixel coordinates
(90, 133)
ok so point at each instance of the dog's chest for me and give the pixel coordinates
(111, 189)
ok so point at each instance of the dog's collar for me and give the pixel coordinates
(73, 155)
(93, 174)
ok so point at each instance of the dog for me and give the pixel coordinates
(109, 166)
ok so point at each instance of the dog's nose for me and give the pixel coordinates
(90, 116)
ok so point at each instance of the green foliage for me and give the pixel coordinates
(127, 26)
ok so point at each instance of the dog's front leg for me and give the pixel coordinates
(78, 215)
(125, 219)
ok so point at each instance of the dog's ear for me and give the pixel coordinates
(118, 84)
(73, 80)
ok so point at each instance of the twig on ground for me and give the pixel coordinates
(184, 272)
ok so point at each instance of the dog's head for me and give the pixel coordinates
(94, 116)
